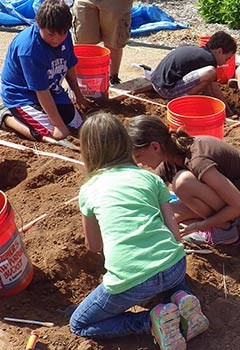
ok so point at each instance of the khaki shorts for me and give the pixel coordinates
(106, 21)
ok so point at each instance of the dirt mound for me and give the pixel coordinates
(65, 272)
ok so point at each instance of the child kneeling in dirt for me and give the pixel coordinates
(37, 61)
(204, 172)
(191, 70)
(125, 212)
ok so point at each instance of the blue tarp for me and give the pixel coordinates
(148, 19)
(145, 19)
(18, 12)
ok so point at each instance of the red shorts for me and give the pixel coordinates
(38, 122)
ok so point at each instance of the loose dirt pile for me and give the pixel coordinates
(65, 272)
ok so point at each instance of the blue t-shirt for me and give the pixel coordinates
(33, 65)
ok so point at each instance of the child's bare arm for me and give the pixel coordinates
(46, 101)
(73, 84)
(169, 219)
(93, 238)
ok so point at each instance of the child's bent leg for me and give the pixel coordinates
(32, 121)
(103, 315)
(7, 120)
(197, 196)
(19, 127)
(206, 76)
(182, 212)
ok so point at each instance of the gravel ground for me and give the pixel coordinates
(186, 11)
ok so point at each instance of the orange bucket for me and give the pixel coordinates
(227, 70)
(93, 70)
(197, 114)
(16, 270)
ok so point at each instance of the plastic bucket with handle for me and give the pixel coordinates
(197, 114)
(93, 70)
(16, 270)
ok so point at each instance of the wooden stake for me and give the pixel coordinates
(32, 341)
(26, 227)
(20, 320)
(224, 283)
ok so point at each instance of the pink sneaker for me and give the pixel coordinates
(214, 236)
(165, 320)
(193, 321)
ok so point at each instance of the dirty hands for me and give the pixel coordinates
(83, 103)
(60, 131)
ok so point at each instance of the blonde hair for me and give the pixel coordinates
(104, 142)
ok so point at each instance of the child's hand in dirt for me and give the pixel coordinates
(60, 133)
(84, 103)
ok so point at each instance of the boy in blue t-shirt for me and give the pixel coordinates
(37, 61)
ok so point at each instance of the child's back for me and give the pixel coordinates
(126, 202)
(125, 212)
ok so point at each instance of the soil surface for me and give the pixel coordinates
(64, 271)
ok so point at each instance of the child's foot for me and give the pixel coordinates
(193, 321)
(215, 235)
(165, 320)
(114, 80)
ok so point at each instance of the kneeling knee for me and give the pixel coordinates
(182, 181)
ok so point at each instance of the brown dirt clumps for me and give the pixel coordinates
(65, 272)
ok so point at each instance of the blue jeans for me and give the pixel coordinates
(103, 315)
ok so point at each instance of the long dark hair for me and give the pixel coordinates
(144, 129)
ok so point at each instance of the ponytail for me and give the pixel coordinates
(181, 140)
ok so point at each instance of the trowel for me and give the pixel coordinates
(64, 143)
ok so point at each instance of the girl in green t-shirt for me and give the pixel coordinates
(126, 214)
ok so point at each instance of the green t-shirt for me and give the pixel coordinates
(136, 244)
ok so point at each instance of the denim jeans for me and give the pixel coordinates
(103, 315)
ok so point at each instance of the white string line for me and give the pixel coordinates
(152, 102)
(37, 152)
